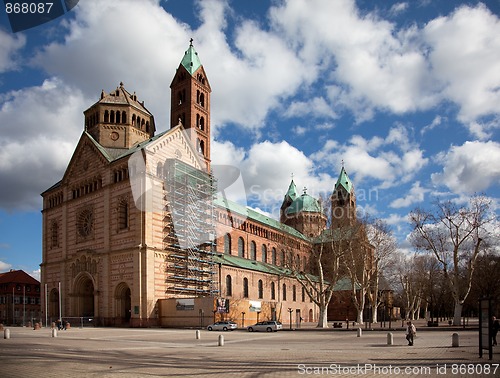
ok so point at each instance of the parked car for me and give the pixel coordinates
(268, 325)
(222, 326)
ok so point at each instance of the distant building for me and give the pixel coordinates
(177, 254)
(19, 298)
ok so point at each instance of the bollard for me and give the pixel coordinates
(390, 338)
(54, 332)
(6, 333)
(455, 340)
(359, 332)
(221, 340)
(198, 335)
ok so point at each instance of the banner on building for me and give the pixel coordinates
(223, 305)
(255, 306)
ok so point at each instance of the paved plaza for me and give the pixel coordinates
(132, 352)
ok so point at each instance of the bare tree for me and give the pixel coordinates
(381, 238)
(455, 236)
(358, 263)
(325, 261)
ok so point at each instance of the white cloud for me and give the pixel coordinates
(415, 195)
(299, 130)
(9, 46)
(4, 266)
(40, 129)
(391, 161)
(398, 8)
(267, 168)
(316, 107)
(469, 168)
(437, 121)
(465, 56)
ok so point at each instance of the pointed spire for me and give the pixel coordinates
(190, 61)
(292, 191)
(344, 180)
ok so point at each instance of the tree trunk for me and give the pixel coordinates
(458, 313)
(323, 317)
(374, 314)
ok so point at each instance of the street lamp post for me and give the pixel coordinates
(243, 319)
(290, 312)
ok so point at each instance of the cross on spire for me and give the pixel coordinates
(191, 42)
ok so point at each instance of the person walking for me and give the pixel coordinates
(495, 326)
(410, 332)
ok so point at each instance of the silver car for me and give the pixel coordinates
(268, 326)
(222, 326)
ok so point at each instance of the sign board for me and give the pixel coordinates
(255, 306)
(485, 315)
(185, 304)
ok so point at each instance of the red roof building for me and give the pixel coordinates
(19, 298)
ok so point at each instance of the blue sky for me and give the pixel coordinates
(406, 93)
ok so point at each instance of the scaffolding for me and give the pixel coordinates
(190, 230)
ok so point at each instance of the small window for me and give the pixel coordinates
(229, 285)
(284, 292)
(245, 287)
(241, 247)
(261, 289)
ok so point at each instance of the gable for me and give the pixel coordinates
(174, 144)
(87, 161)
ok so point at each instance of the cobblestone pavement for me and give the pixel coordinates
(114, 352)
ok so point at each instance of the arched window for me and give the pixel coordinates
(273, 291)
(227, 244)
(241, 247)
(202, 100)
(112, 117)
(294, 293)
(273, 256)
(261, 289)
(303, 294)
(202, 123)
(106, 116)
(253, 250)
(133, 119)
(159, 170)
(55, 235)
(118, 117)
(147, 126)
(124, 117)
(201, 145)
(282, 262)
(264, 253)
(229, 285)
(284, 292)
(123, 215)
(245, 287)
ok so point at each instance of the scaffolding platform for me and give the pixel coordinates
(189, 227)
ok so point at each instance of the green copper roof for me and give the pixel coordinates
(304, 203)
(292, 191)
(256, 216)
(190, 61)
(345, 181)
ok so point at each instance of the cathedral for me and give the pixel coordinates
(138, 232)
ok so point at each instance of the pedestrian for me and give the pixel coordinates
(410, 332)
(495, 326)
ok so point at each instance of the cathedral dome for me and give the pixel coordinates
(304, 203)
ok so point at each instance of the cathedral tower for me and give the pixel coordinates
(190, 102)
(343, 201)
(119, 120)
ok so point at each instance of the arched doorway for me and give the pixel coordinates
(83, 296)
(311, 319)
(123, 304)
(53, 305)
